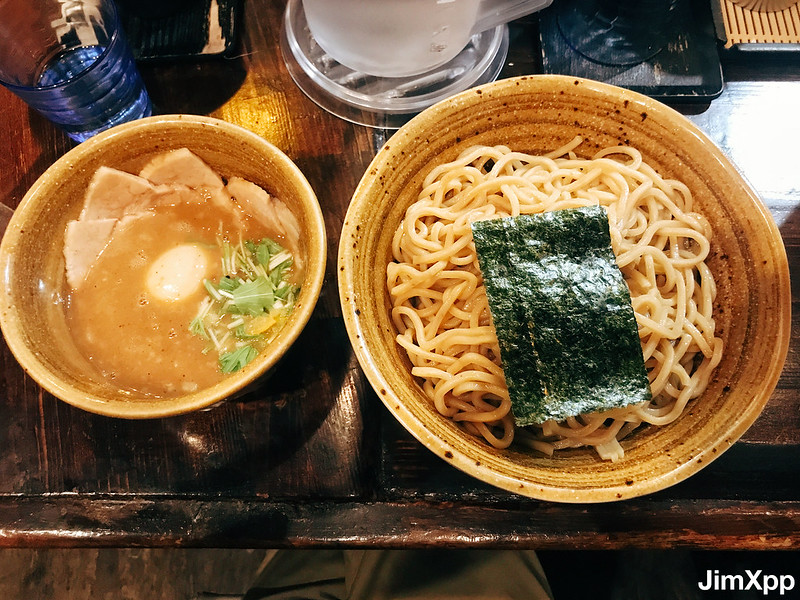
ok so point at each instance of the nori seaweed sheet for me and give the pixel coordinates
(562, 311)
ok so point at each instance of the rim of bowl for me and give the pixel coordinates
(165, 407)
(421, 431)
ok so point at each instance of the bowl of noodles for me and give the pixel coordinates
(699, 252)
(161, 267)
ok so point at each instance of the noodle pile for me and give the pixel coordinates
(441, 312)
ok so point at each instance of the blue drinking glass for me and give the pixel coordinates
(70, 61)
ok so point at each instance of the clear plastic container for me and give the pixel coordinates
(397, 63)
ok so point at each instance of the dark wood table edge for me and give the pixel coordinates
(120, 521)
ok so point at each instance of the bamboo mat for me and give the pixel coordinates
(746, 26)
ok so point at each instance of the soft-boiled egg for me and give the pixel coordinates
(178, 273)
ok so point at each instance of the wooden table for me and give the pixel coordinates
(311, 458)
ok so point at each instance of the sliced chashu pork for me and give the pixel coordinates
(183, 167)
(113, 194)
(271, 212)
(178, 176)
(83, 243)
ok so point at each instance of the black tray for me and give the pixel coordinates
(687, 69)
(188, 28)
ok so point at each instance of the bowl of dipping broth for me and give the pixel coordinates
(160, 267)
(518, 179)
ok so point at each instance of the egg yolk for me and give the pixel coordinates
(178, 273)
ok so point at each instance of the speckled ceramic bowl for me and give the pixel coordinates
(32, 265)
(538, 114)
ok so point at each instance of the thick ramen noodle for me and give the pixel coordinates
(440, 308)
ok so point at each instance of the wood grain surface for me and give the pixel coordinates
(310, 457)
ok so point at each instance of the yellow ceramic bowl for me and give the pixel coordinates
(538, 114)
(32, 266)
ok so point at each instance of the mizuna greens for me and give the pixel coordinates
(246, 308)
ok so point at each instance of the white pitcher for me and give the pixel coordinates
(400, 38)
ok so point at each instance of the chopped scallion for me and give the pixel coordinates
(277, 261)
(211, 290)
(197, 327)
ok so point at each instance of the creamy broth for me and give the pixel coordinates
(132, 321)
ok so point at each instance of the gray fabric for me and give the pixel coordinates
(301, 575)
(401, 575)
